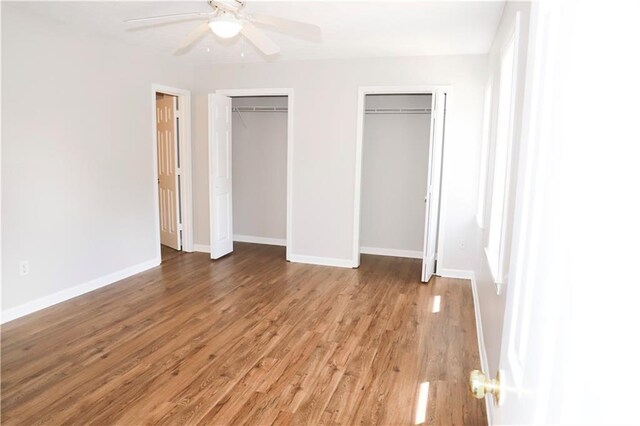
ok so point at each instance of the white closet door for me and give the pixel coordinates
(220, 188)
(432, 198)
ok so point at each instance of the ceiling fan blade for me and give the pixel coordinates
(192, 38)
(302, 29)
(259, 39)
(173, 15)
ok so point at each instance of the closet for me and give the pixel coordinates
(395, 167)
(259, 169)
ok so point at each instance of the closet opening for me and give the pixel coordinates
(249, 161)
(399, 154)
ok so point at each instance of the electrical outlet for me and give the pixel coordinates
(24, 267)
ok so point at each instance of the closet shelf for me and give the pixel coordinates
(397, 111)
(259, 109)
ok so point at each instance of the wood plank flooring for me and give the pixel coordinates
(248, 339)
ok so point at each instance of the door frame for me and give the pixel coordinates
(363, 91)
(289, 93)
(186, 181)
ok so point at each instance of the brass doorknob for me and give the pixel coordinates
(480, 385)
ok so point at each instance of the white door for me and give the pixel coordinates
(432, 198)
(534, 300)
(220, 188)
(570, 346)
(167, 173)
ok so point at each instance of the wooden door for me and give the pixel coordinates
(167, 170)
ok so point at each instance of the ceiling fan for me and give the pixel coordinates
(226, 21)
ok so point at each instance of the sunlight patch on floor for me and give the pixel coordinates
(423, 400)
(436, 304)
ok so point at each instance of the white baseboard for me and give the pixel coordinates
(260, 240)
(324, 261)
(456, 273)
(70, 293)
(412, 254)
(202, 248)
(205, 248)
(311, 260)
(484, 362)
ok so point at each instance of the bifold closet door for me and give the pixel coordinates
(220, 182)
(432, 198)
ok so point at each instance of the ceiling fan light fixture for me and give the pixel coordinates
(225, 25)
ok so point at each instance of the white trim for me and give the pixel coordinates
(462, 274)
(487, 127)
(496, 282)
(311, 260)
(324, 261)
(362, 92)
(61, 296)
(355, 256)
(482, 350)
(442, 194)
(499, 271)
(202, 248)
(411, 254)
(289, 93)
(260, 240)
(186, 181)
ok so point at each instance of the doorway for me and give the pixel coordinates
(394, 174)
(172, 169)
(250, 135)
(398, 172)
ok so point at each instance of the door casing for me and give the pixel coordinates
(186, 189)
(289, 93)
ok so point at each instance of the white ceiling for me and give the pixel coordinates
(349, 28)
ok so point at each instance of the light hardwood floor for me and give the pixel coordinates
(247, 339)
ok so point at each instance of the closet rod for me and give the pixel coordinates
(397, 111)
(259, 109)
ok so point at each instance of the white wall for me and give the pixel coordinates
(394, 173)
(491, 304)
(77, 164)
(325, 119)
(260, 169)
(78, 195)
